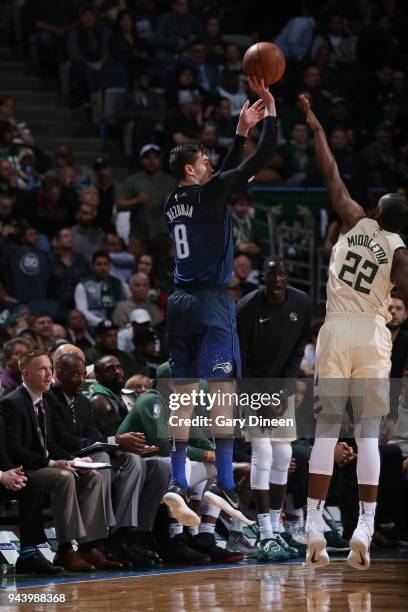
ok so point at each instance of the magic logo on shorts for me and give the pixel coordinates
(224, 367)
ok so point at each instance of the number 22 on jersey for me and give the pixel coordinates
(359, 274)
(181, 241)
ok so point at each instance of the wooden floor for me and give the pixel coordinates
(249, 587)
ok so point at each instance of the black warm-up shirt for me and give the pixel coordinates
(273, 337)
(198, 216)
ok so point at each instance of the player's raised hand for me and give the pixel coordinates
(258, 86)
(311, 118)
(249, 116)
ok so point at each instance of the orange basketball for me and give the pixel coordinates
(265, 61)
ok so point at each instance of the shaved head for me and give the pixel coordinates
(67, 349)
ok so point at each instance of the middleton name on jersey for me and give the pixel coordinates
(366, 241)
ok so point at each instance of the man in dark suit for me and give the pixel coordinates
(14, 484)
(129, 479)
(76, 499)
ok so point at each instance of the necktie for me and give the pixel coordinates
(72, 409)
(42, 423)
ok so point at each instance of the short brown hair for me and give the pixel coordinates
(28, 357)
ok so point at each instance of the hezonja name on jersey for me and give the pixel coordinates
(366, 241)
(180, 210)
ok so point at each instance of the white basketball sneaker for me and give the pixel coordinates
(359, 556)
(316, 554)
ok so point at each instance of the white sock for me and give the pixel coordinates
(275, 519)
(193, 530)
(265, 526)
(315, 512)
(175, 529)
(325, 526)
(207, 528)
(367, 512)
(236, 526)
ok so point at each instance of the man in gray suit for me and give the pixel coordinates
(76, 498)
(135, 486)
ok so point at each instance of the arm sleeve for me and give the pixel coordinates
(224, 183)
(81, 303)
(235, 154)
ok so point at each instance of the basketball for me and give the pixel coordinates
(265, 61)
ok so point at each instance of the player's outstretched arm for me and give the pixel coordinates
(348, 210)
(248, 117)
(399, 273)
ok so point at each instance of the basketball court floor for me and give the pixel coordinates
(245, 586)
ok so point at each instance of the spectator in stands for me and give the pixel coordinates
(106, 343)
(7, 304)
(66, 269)
(233, 57)
(140, 112)
(147, 353)
(43, 323)
(381, 158)
(339, 118)
(8, 216)
(54, 206)
(213, 39)
(207, 72)
(245, 274)
(76, 331)
(184, 125)
(209, 138)
(312, 83)
(22, 135)
(242, 228)
(7, 149)
(295, 159)
(97, 294)
(107, 193)
(296, 36)
(337, 40)
(140, 321)
(64, 158)
(185, 79)
(144, 194)
(347, 161)
(10, 182)
(129, 51)
(87, 238)
(128, 493)
(122, 262)
(26, 268)
(88, 51)
(77, 504)
(224, 121)
(175, 30)
(139, 384)
(10, 377)
(139, 288)
(53, 19)
(232, 89)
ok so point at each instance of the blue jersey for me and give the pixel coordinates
(198, 217)
(201, 237)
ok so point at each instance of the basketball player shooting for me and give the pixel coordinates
(354, 347)
(201, 322)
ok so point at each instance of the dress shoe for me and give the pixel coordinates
(96, 558)
(37, 564)
(146, 542)
(73, 562)
(140, 556)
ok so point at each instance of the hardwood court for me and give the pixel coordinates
(251, 587)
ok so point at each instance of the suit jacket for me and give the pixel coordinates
(69, 436)
(23, 443)
(5, 463)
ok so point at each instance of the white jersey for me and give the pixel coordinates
(360, 270)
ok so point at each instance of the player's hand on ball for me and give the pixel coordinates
(250, 115)
(258, 86)
(311, 118)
